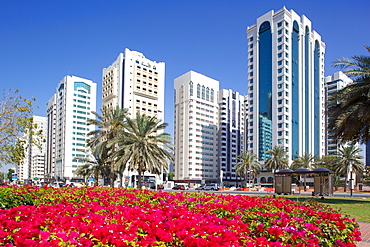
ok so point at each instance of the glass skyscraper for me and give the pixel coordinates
(285, 85)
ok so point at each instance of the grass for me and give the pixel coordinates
(358, 208)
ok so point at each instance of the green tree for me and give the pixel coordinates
(15, 119)
(32, 136)
(307, 160)
(108, 125)
(97, 165)
(349, 155)
(144, 146)
(2, 177)
(170, 176)
(9, 175)
(248, 164)
(349, 108)
(17, 152)
(278, 159)
(327, 161)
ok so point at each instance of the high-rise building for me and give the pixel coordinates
(285, 85)
(68, 113)
(333, 83)
(137, 84)
(231, 133)
(33, 164)
(196, 128)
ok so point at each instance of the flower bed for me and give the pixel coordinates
(99, 216)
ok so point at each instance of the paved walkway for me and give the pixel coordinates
(365, 234)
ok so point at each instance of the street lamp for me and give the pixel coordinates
(350, 177)
(221, 177)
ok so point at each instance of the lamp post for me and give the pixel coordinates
(221, 177)
(350, 177)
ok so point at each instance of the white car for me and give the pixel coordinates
(210, 187)
(58, 185)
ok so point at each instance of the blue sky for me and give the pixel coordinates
(42, 41)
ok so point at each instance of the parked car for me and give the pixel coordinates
(201, 187)
(209, 187)
(178, 187)
(76, 182)
(233, 188)
(58, 185)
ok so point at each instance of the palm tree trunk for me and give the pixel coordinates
(112, 165)
(120, 179)
(304, 182)
(139, 177)
(111, 176)
(96, 178)
(345, 184)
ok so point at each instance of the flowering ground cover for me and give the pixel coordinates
(100, 216)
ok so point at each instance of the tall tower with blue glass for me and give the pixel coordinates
(285, 85)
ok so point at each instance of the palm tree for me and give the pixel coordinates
(278, 159)
(327, 161)
(108, 125)
(144, 146)
(248, 164)
(84, 171)
(307, 160)
(97, 165)
(349, 156)
(348, 108)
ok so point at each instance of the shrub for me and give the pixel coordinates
(101, 216)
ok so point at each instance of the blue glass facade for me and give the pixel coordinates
(81, 85)
(265, 90)
(295, 92)
(316, 88)
(307, 88)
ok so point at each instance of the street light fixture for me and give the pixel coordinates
(350, 177)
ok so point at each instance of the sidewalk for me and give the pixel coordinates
(365, 234)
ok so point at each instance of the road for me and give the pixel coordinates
(354, 195)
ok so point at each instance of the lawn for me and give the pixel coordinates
(357, 208)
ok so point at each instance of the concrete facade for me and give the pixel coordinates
(75, 99)
(196, 128)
